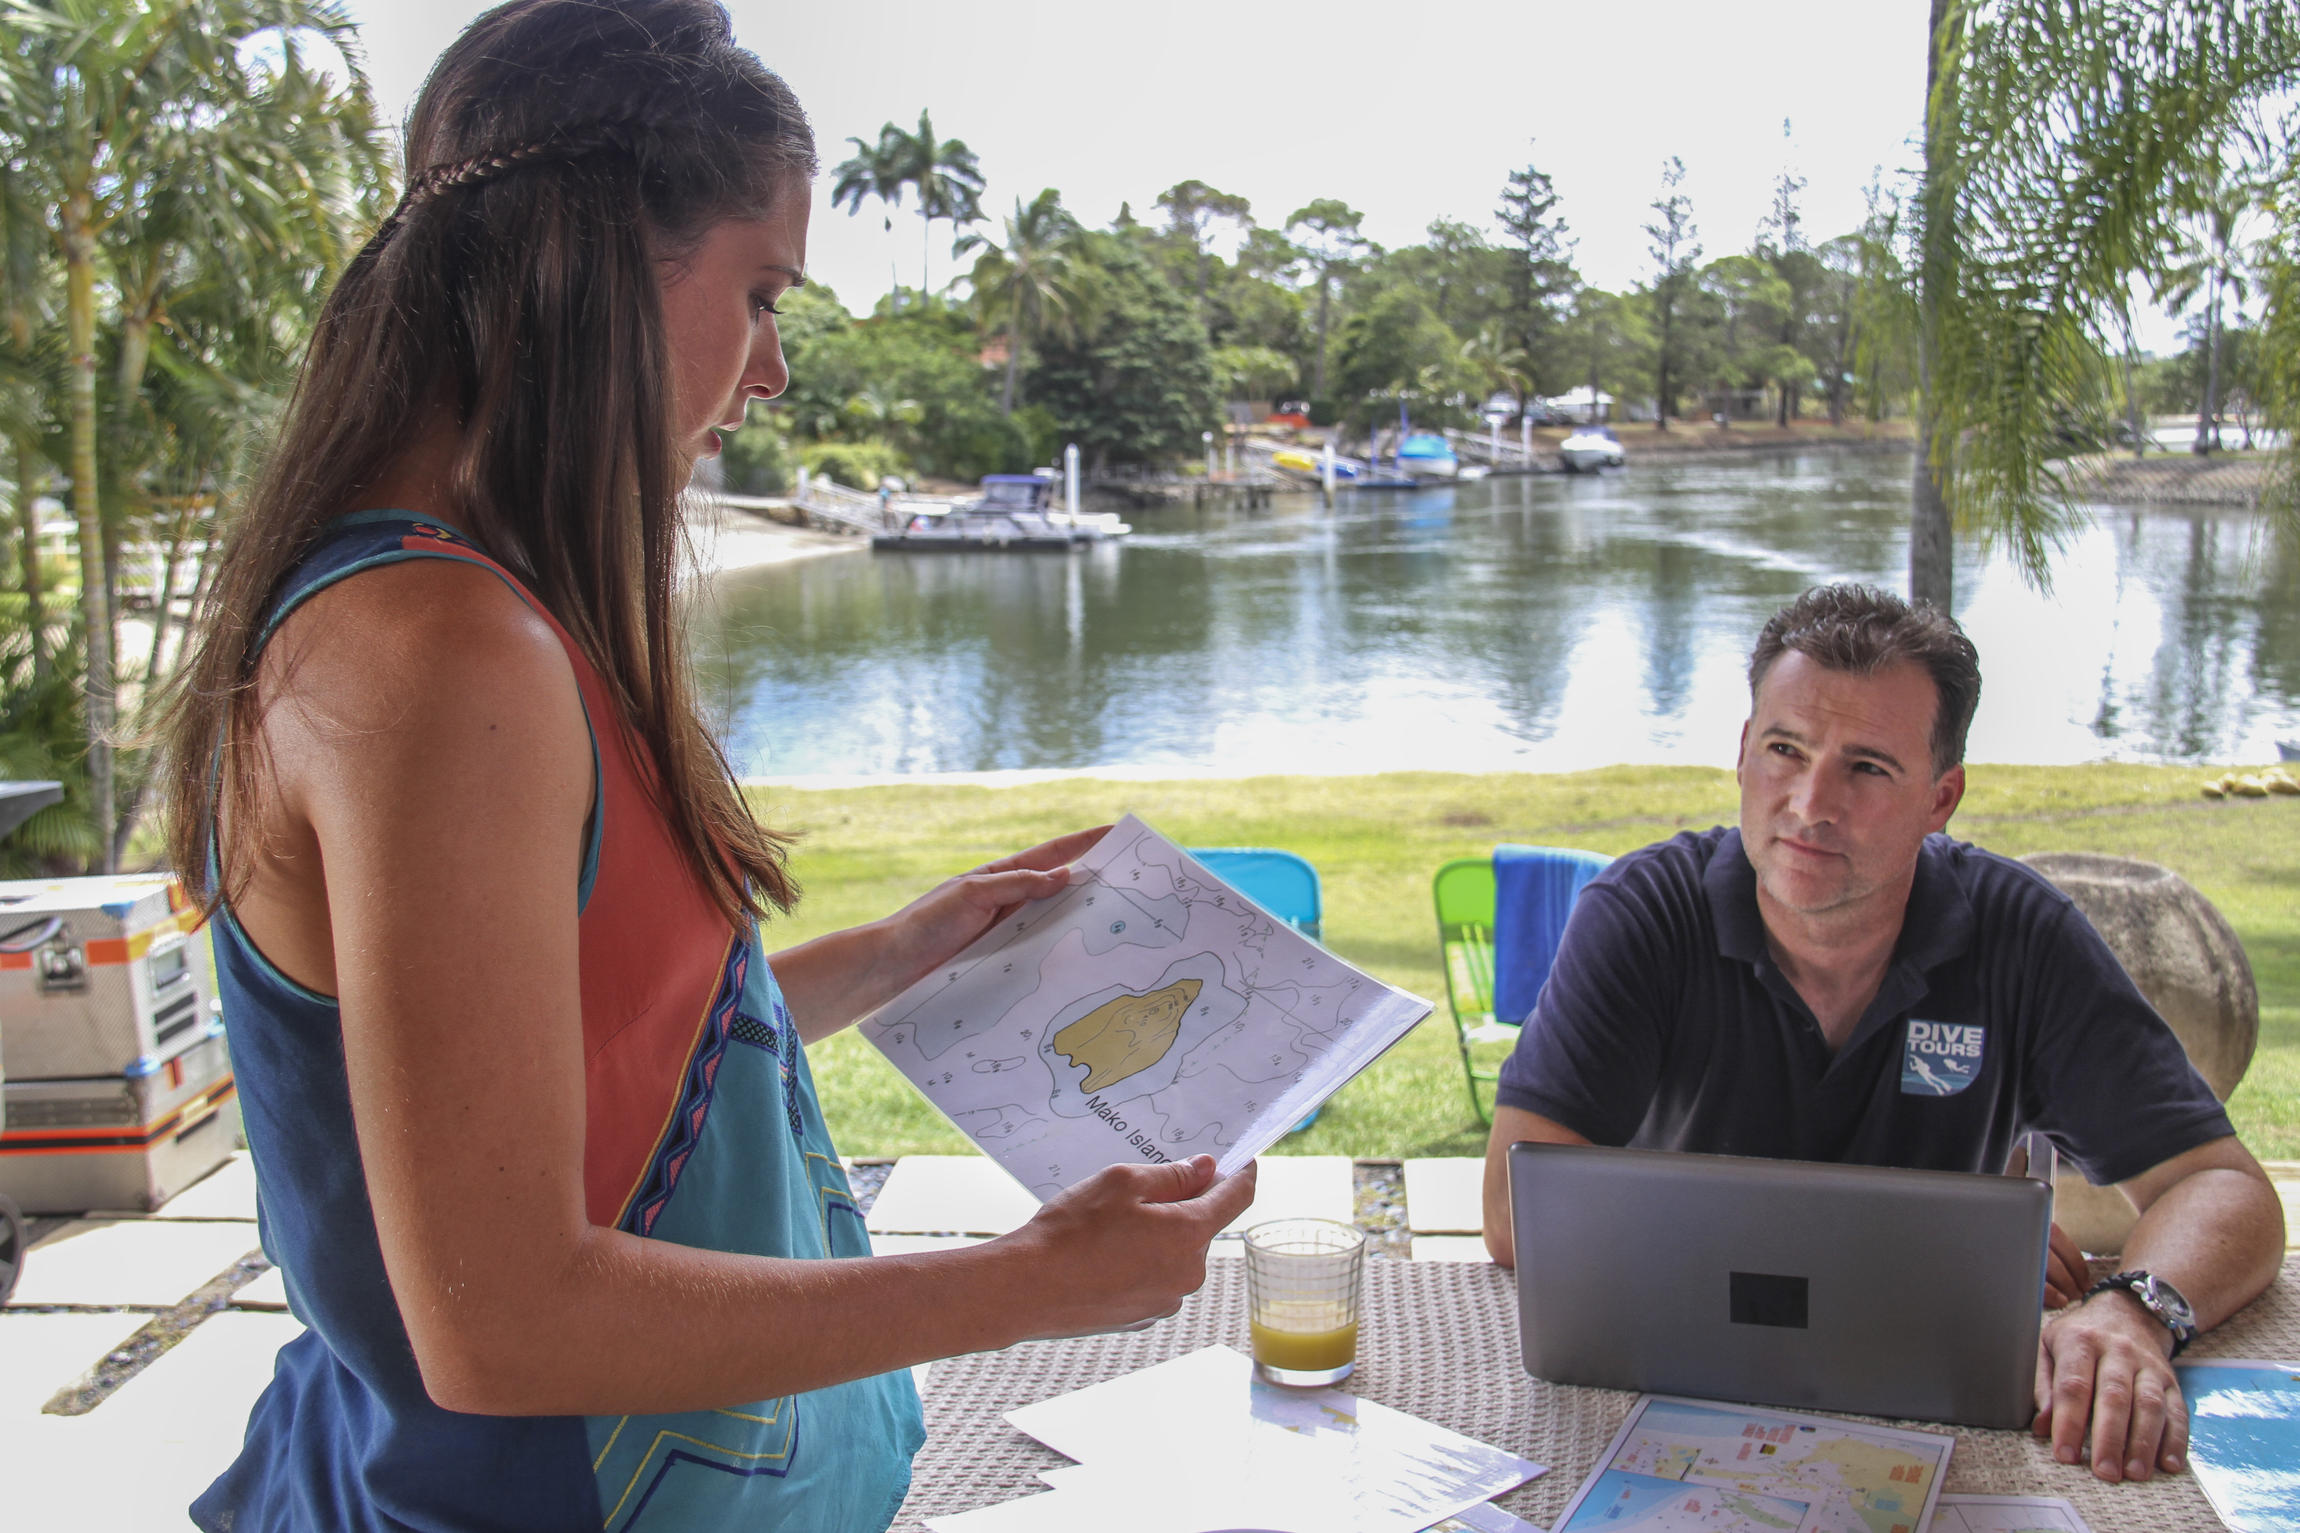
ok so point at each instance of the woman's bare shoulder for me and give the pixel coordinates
(429, 662)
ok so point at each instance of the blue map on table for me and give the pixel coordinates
(2244, 1441)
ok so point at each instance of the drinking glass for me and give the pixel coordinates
(1302, 1283)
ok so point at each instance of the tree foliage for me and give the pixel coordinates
(179, 181)
(1136, 384)
(2071, 148)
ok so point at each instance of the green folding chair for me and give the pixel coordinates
(1463, 890)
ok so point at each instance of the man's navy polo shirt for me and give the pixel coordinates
(1665, 1024)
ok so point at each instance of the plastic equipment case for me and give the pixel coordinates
(119, 1089)
(98, 977)
(120, 1142)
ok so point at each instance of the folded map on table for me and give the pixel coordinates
(1146, 1013)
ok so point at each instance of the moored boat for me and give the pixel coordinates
(1012, 512)
(1426, 455)
(1591, 448)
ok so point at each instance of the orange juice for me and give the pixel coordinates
(1304, 1336)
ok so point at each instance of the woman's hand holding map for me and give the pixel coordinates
(1127, 1244)
(832, 981)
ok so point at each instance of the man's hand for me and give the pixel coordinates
(2065, 1271)
(2107, 1364)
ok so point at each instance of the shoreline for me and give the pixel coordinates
(727, 539)
(1183, 775)
(2166, 478)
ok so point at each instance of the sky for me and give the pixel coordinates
(1408, 113)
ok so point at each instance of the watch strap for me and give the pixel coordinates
(2143, 1286)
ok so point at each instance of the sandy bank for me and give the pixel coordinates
(2175, 479)
(727, 538)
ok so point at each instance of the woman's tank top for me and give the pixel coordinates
(701, 1127)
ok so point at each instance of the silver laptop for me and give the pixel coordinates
(1834, 1288)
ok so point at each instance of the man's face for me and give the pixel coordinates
(1837, 786)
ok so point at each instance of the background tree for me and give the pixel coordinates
(1192, 208)
(1541, 274)
(878, 170)
(1136, 383)
(1675, 252)
(168, 150)
(1792, 364)
(2209, 265)
(942, 172)
(1327, 233)
(1608, 342)
(1885, 320)
(2063, 149)
(1393, 348)
(1029, 283)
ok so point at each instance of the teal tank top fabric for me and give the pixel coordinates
(702, 1128)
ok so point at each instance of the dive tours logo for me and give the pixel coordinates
(1942, 1058)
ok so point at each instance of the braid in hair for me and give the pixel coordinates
(562, 147)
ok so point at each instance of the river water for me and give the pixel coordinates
(1541, 624)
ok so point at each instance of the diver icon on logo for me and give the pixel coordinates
(1942, 1058)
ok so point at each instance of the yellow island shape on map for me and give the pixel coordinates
(1128, 1035)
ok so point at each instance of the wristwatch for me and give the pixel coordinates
(2159, 1298)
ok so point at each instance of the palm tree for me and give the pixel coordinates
(2207, 265)
(2064, 148)
(165, 146)
(1031, 283)
(942, 171)
(873, 170)
(1498, 357)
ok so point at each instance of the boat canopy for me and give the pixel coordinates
(1015, 492)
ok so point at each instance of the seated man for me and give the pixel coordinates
(1782, 989)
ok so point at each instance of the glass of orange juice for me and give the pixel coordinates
(1302, 1283)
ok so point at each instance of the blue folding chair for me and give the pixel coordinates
(1280, 882)
(1500, 919)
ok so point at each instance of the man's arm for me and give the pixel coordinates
(2210, 1225)
(1512, 1125)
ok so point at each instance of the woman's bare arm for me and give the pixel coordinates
(427, 732)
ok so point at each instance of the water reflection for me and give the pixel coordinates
(1533, 623)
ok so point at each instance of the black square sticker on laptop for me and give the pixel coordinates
(1767, 1298)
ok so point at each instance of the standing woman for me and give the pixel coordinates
(538, 1147)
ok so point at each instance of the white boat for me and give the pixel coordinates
(1591, 448)
(1014, 511)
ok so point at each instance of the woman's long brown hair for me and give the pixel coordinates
(559, 150)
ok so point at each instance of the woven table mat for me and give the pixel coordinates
(1439, 1341)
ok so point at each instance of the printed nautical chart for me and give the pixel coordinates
(2006, 1514)
(1146, 1013)
(1683, 1465)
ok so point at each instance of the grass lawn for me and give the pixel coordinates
(1376, 841)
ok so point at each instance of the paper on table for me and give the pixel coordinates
(2005, 1514)
(1485, 1518)
(2244, 1440)
(1147, 1012)
(1678, 1465)
(1320, 1460)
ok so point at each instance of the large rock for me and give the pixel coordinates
(2185, 958)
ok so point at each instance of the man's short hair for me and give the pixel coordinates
(1862, 630)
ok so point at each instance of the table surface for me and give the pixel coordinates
(1440, 1342)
